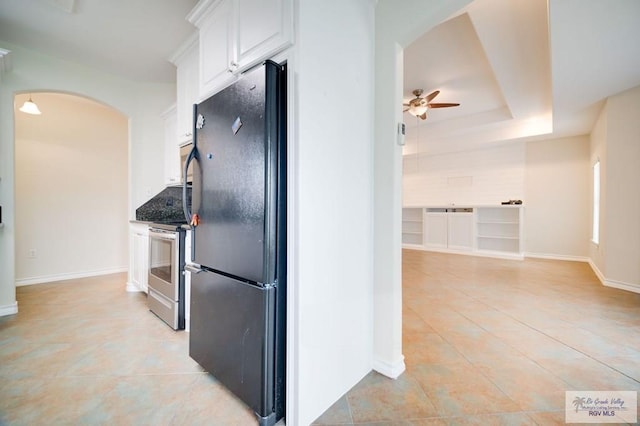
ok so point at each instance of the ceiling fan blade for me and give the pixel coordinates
(443, 105)
(406, 109)
(432, 95)
(406, 104)
(423, 116)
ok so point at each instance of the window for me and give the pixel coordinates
(595, 235)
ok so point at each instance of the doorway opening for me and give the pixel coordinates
(71, 189)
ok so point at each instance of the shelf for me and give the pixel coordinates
(494, 231)
(496, 222)
(498, 237)
(412, 239)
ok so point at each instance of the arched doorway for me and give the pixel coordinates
(71, 189)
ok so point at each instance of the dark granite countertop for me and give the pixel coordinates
(165, 207)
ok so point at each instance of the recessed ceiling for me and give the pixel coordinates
(521, 70)
(458, 68)
(128, 38)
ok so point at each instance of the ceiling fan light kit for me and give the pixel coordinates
(418, 106)
(418, 110)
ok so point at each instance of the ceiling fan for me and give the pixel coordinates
(418, 106)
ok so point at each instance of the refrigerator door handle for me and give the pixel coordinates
(192, 268)
(185, 206)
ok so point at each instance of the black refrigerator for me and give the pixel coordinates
(238, 215)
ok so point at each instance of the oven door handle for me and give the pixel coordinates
(194, 269)
(162, 235)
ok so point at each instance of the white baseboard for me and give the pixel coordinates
(391, 370)
(467, 252)
(557, 257)
(70, 276)
(634, 288)
(596, 271)
(133, 288)
(10, 309)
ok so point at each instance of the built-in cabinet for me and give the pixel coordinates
(482, 230)
(187, 63)
(138, 257)
(435, 228)
(232, 36)
(499, 229)
(171, 148)
(412, 228)
(235, 35)
(449, 228)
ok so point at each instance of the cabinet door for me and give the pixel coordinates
(171, 149)
(435, 230)
(264, 27)
(188, 87)
(139, 259)
(460, 231)
(217, 60)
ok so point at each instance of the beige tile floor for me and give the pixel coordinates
(486, 342)
(86, 352)
(498, 342)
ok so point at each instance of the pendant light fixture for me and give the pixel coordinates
(30, 107)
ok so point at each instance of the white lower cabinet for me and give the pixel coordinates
(435, 227)
(138, 257)
(481, 230)
(460, 229)
(449, 228)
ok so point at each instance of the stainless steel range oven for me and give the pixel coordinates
(166, 279)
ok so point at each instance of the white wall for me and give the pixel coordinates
(484, 176)
(397, 25)
(71, 183)
(142, 103)
(332, 189)
(621, 226)
(557, 198)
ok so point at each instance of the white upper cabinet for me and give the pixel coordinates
(171, 150)
(217, 61)
(238, 34)
(187, 86)
(265, 27)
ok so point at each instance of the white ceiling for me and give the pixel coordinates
(128, 38)
(521, 69)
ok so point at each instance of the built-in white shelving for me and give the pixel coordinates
(412, 227)
(481, 230)
(499, 229)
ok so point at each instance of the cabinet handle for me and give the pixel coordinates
(232, 66)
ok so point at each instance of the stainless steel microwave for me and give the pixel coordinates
(184, 153)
